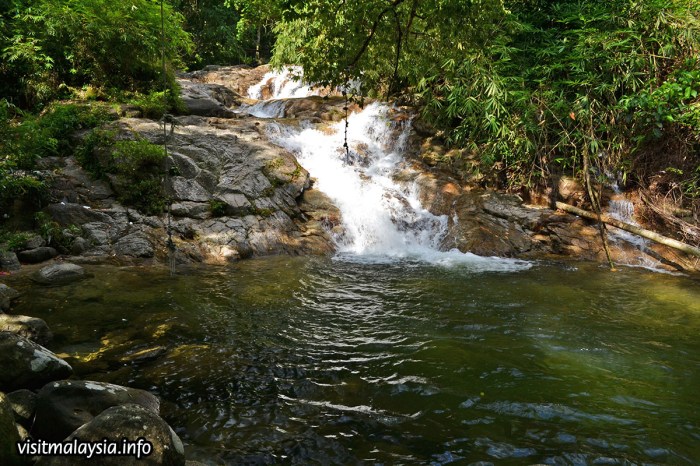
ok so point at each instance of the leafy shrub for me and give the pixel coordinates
(217, 208)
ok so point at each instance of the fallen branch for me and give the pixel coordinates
(648, 234)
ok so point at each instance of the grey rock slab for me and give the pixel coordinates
(59, 274)
(188, 190)
(135, 245)
(63, 406)
(32, 328)
(129, 421)
(26, 364)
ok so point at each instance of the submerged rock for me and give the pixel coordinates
(66, 405)
(26, 364)
(59, 274)
(32, 328)
(129, 421)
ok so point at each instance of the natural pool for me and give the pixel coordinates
(332, 361)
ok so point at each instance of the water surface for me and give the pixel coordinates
(328, 361)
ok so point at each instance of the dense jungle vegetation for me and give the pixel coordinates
(526, 88)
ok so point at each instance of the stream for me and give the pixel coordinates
(393, 351)
(332, 361)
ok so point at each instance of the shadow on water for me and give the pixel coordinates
(308, 360)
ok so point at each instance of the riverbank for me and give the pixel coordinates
(234, 193)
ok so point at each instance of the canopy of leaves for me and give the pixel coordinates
(48, 44)
(530, 86)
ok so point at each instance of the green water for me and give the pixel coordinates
(320, 361)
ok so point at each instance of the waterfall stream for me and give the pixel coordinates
(383, 219)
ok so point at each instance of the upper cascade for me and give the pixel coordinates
(282, 84)
(383, 219)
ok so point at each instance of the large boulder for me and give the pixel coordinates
(32, 328)
(66, 405)
(202, 99)
(7, 294)
(59, 274)
(9, 435)
(26, 364)
(135, 245)
(132, 422)
(37, 255)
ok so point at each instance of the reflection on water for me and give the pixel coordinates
(298, 360)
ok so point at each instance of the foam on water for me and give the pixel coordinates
(383, 220)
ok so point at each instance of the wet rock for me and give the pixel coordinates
(144, 355)
(63, 406)
(59, 274)
(26, 364)
(37, 255)
(129, 421)
(23, 403)
(9, 261)
(32, 328)
(7, 295)
(135, 245)
(8, 434)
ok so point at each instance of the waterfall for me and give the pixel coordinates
(383, 219)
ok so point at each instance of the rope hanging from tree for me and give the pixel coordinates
(167, 118)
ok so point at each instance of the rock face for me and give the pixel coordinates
(59, 274)
(26, 364)
(32, 328)
(66, 405)
(8, 434)
(129, 421)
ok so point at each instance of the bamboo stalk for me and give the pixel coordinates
(648, 234)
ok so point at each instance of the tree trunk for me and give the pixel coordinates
(670, 242)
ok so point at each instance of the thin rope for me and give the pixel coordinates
(169, 228)
(346, 87)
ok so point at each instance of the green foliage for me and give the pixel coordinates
(217, 208)
(13, 241)
(53, 234)
(49, 43)
(136, 167)
(528, 86)
(157, 103)
(223, 33)
(134, 158)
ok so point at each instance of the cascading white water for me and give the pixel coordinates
(284, 84)
(383, 219)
